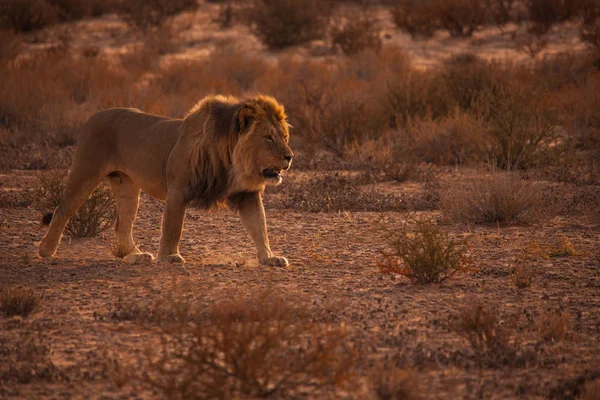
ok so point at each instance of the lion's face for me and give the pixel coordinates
(264, 152)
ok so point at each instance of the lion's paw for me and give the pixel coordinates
(171, 258)
(275, 261)
(139, 258)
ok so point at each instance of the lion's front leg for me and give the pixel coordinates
(252, 214)
(172, 225)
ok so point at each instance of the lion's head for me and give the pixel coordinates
(240, 145)
(262, 149)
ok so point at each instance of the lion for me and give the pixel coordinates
(225, 151)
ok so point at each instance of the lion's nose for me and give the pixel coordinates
(288, 158)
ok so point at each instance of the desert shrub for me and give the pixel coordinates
(417, 94)
(487, 335)
(257, 346)
(456, 139)
(95, 215)
(467, 77)
(590, 27)
(424, 254)
(552, 326)
(282, 23)
(521, 124)
(415, 17)
(501, 11)
(523, 275)
(460, 17)
(389, 383)
(26, 15)
(498, 198)
(18, 301)
(544, 13)
(355, 33)
(150, 14)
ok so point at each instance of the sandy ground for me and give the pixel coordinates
(333, 264)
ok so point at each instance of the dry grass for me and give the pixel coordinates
(424, 254)
(95, 215)
(563, 247)
(390, 383)
(499, 198)
(259, 346)
(553, 326)
(523, 275)
(18, 301)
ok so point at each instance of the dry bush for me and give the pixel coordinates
(590, 27)
(488, 335)
(545, 13)
(417, 94)
(282, 23)
(390, 383)
(552, 326)
(424, 254)
(18, 301)
(499, 198)
(520, 123)
(460, 17)
(95, 215)
(456, 139)
(333, 192)
(257, 346)
(415, 17)
(150, 14)
(563, 247)
(26, 15)
(356, 32)
(467, 77)
(162, 310)
(501, 11)
(26, 358)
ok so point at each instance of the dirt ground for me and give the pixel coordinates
(67, 348)
(333, 260)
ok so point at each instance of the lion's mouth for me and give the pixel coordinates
(272, 173)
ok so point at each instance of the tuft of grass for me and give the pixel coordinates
(553, 326)
(18, 301)
(95, 215)
(258, 346)
(424, 254)
(389, 383)
(523, 275)
(499, 198)
(563, 247)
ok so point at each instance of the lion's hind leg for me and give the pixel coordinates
(127, 200)
(78, 187)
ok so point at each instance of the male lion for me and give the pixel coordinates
(224, 151)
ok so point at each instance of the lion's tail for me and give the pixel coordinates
(46, 219)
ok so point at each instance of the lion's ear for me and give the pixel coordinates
(246, 117)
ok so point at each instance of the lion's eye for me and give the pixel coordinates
(269, 139)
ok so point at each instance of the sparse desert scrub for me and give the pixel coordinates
(259, 346)
(149, 14)
(520, 124)
(95, 215)
(282, 23)
(356, 32)
(552, 326)
(456, 139)
(18, 301)
(501, 198)
(545, 13)
(490, 337)
(424, 254)
(415, 17)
